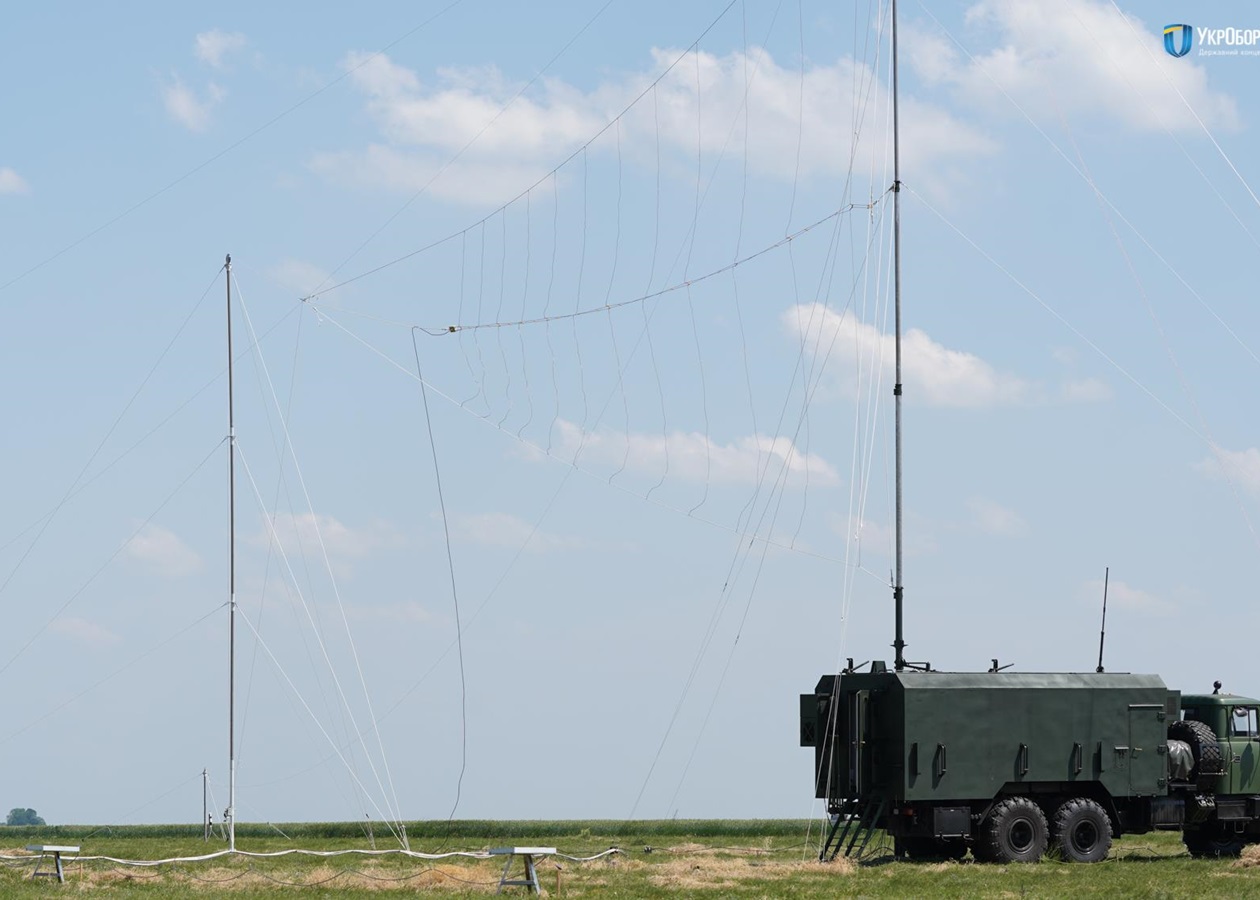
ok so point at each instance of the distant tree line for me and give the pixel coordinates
(19, 816)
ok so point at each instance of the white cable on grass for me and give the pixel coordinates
(295, 851)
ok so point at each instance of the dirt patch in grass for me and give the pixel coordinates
(705, 848)
(703, 871)
(231, 879)
(688, 848)
(1250, 858)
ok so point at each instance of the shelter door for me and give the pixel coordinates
(1144, 762)
(858, 715)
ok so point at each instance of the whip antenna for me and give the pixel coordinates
(1102, 636)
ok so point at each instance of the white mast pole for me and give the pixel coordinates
(230, 814)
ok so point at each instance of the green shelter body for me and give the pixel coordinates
(936, 758)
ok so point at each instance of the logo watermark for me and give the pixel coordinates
(1178, 33)
(1179, 40)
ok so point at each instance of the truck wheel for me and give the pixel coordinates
(1016, 831)
(1082, 831)
(1208, 763)
(1210, 843)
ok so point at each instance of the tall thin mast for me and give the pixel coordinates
(230, 814)
(899, 644)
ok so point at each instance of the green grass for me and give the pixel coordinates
(709, 859)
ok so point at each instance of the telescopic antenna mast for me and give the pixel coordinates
(899, 644)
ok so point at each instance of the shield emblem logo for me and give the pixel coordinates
(1178, 39)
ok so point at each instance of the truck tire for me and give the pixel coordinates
(1208, 763)
(1015, 831)
(1212, 842)
(1082, 831)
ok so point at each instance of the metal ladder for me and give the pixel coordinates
(843, 816)
(855, 828)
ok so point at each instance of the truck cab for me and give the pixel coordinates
(1234, 720)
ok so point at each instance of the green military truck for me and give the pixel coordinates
(1011, 765)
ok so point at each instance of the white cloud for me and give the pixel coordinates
(816, 112)
(163, 553)
(993, 518)
(1126, 597)
(423, 126)
(297, 276)
(932, 372)
(1239, 466)
(212, 46)
(501, 529)
(185, 107)
(1073, 56)
(83, 632)
(473, 180)
(309, 531)
(868, 534)
(1065, 356)
(380, 77)
(1078, 390)
(938, 375)
(695, 457)
(1085, 390)
(11, 182)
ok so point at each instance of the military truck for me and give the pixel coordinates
(1008, 765)
(1011, 765)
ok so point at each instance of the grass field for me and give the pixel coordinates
(686, 859)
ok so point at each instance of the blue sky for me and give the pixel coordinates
(669, 513)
